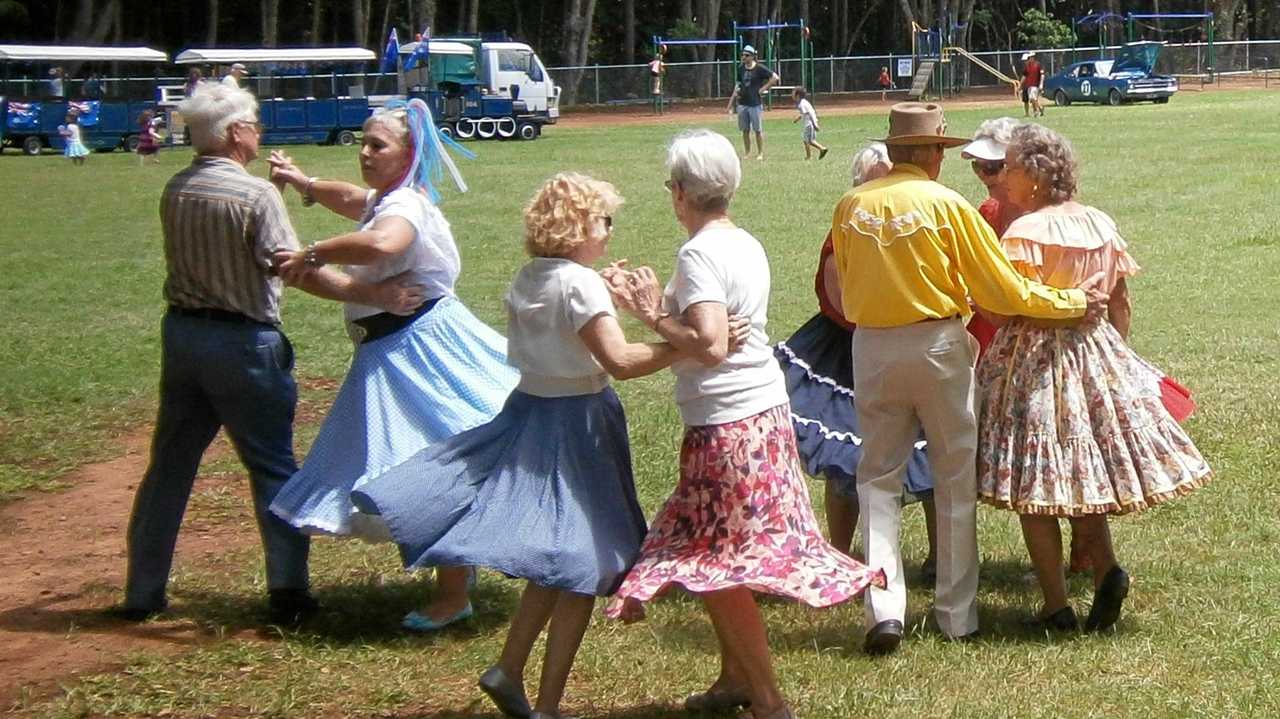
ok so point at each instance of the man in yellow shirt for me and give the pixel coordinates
(910, 253)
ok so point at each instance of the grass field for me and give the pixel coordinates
(1193, 187)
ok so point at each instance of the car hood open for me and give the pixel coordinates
(1137, 58)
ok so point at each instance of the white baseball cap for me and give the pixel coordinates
(984, 149)
(240, 66)
(748, 50)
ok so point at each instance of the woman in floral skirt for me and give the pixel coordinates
(739, 521)
(1072, 424)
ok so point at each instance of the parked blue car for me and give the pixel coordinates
(1127, 78)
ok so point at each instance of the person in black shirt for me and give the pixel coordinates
(754, 81)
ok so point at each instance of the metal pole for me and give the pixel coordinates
(597, 84)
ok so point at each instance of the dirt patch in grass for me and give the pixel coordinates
(64, 564)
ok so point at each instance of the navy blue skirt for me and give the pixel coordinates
(543, 492)
(818, 364)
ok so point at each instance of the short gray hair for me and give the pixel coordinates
(706, 167)
(1048, 158)
(211, 109)
(867, 159)
(999, 130)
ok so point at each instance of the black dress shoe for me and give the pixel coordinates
(287, 607)
(883, 638)
(1063, 620)
(1107, 600)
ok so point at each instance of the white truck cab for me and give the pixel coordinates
(515, 68)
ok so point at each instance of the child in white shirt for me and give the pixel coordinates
(810, 117)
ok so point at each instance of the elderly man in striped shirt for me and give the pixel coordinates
(225, 362)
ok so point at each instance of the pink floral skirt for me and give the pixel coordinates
(741, 517)
(1072, 424)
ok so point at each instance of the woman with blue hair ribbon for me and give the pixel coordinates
(415, 379)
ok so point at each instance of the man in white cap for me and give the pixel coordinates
(910, 253)
(754, 81)
(1032, 84)
(233, 76)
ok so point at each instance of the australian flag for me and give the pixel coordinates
(422, 53)
(23, 115)
(87, 111)
(391, 54)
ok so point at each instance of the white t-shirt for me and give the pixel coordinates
(549, 301)
(728, 266)
(432, 257)
(230, 80)
(807, 112)
(72, 133)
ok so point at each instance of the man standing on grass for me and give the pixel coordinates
(909, 252)
(754, 81)
(1032, 85)
(225, 363)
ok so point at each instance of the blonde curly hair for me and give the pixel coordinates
(1048, 158)
(566, 212)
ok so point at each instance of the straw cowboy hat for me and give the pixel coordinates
(919, 123)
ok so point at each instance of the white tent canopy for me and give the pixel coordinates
(439, 47)
(79, 53)
(226, 56)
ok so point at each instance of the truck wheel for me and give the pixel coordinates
(131, 143)
(1060, 99)
(527, 131)
(1161, 100)
(466, 128)
(507, 128)
(32, 145)
(446, 130)
(1113, 97)
(345, 138)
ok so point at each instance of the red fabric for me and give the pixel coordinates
(1176, 399)
(820, 287)
(983, 331)
(1031, 74)
(884, 79)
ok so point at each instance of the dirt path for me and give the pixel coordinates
(64, 561)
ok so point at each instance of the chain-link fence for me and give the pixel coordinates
(622, 84)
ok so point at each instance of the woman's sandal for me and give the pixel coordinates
(714, 700)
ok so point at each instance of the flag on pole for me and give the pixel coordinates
(422, 53)
(391, 54)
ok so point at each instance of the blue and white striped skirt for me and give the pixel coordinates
(75, 149)
(544, 492)
(445, 373)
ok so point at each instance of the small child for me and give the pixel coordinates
(70, 132)
(657, 70)
(885, 82)
(148, 139)
(810, 117)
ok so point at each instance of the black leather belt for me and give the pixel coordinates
(384, 323)
(209, 313)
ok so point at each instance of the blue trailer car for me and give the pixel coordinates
(297, 107)
(31, 112)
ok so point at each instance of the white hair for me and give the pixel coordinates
(706, 167)
(999, 130)
(868, 160)
(211, 109)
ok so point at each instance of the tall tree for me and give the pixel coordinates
(270, 22)
(628, 32)
(579, 17)
(211, 32)
(317, 21)
(360, 10)
(473, 17)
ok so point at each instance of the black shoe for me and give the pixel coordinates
(929, 571)
(1107, 600)
(133, 614)
(883, 638)
(287, 607)
(1063, 620)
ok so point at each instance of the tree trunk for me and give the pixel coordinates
(317, 21)
(628, 32)
(426, 14)
(211, 32)
(386, 24)
(709, 26)
(578, 20)
(853, 34)
(473, 17)
(270, 22)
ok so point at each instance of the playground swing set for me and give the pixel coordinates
(769, 43)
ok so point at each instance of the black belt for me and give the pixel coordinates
(384, 323)
(209, 313)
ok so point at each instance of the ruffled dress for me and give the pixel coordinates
(443, 373)
(1072, 421)
(74, 144)
(817, 362)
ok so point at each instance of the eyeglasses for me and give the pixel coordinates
(255, 124)
(608, 223)
(988, 167)
(670, 185)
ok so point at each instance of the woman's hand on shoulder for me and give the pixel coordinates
(291, 266)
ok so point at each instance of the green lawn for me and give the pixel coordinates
(1192, 185)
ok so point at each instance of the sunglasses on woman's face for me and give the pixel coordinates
(988, 167)
(608, 223)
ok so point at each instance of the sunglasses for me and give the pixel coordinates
(988, 167)
(608, 223)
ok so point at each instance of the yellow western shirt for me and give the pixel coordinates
(908, 249)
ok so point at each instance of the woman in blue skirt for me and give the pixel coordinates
(415, 379)
(544, 492)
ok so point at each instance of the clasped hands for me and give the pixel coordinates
(638, 293)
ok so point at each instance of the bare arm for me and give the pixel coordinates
(1119, 310)
(831, 283)
(388, 237)
(702, 333)
(339, 197)
(773, 80)
(621, 359)
(393, 295)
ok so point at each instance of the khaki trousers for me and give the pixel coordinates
(906, 378)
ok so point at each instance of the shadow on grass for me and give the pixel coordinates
(44, 617)
(645, 711)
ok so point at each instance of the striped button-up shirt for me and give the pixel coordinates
(221, 225)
